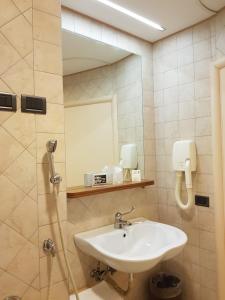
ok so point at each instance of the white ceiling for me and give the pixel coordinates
(174, 15)
(81, 53)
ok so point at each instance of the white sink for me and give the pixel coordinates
(136, 248)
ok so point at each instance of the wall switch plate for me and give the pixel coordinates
(7, 102)
(33, 104)
(202, 200)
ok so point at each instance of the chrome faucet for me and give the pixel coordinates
(119, 222)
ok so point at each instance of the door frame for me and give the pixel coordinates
(106, 99)
(218, 143)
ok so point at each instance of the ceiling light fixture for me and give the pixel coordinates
(132, 14)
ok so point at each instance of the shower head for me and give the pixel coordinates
(51, 146)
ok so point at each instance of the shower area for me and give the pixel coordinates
(31, 64)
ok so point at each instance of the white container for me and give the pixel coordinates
(117, 175)
(128, 156)
(88, 179)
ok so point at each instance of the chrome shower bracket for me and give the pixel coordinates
(49, 247)
(56, 179)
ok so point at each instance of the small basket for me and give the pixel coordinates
(165, 286)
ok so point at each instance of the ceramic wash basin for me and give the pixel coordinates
(135, 248)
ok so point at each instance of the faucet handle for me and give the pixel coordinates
(119, 214)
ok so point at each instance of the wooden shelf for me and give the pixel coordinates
(82, 191)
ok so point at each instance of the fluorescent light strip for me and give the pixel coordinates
(132, 14)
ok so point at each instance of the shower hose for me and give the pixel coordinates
(62, 237)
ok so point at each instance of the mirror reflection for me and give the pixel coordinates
(103, 110)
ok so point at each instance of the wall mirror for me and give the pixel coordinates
(103, 105)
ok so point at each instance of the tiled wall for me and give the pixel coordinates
(30, 63)
(182, 111)
(19, 262)
(122, 79)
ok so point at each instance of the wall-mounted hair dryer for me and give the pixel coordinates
(184, 161)
(51, 147)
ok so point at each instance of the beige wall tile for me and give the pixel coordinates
(22, 127)
(49, 6)
(4, 87)
(28, 14)
(53, 121)
(57, 272)
(11, 285)
(43, 86)
(23, 43)
(208, 278)
(204, 164)
(32, 149)
(8, 11)
(170, 95)
(59, 291)
(208, 259)
(25, 265)
(206, 219)
(187, 128)
(202, 69)
(8, 56)
(186, 56)
(202, 88)
(207, 240)
(203, 126)
(31, 294)
(23, 172)
(23, 4)
(204, 145)
(47, 58)
(202, 50)
(10, 149)
(186, 110)
(23, 222)
(207, 294)
(186, 74)
(12, 197)
(20, 78)
(30, 59)
(170, 78)
(201, 32)
(203, 107)
(11, 244)
(47, 28)
(186, 92)
(191, 254)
